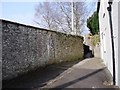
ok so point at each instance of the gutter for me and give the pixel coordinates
(109, 8)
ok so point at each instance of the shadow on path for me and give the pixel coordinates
(77, 80)
(39, 77)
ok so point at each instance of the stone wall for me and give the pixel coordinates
(26, 48)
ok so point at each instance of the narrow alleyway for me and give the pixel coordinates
(39, 77)
(89, 73)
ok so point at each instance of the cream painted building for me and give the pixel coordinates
(106, 26)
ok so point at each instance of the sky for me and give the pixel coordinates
(20, 11)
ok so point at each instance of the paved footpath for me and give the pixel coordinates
(89, 73)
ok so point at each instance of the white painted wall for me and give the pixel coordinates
(118, 43)
(105, 36)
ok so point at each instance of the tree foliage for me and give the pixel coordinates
(93, 23)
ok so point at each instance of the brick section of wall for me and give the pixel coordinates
(26, 48)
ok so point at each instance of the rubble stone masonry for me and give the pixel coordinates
(25, 48)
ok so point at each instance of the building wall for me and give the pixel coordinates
(25, 48)
(118, 67)
(105, 36)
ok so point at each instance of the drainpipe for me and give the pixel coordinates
(112, 40)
